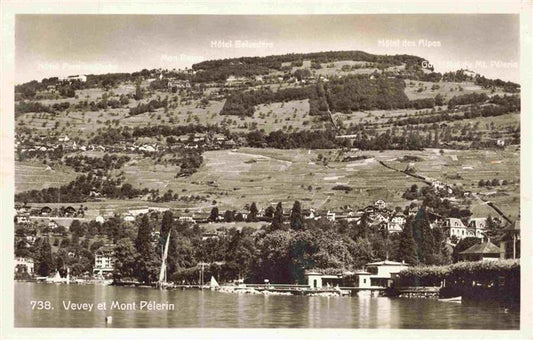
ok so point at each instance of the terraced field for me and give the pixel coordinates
(266, 176)
(31, 175)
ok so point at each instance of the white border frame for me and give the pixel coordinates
(10, 8)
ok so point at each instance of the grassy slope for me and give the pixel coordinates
(31, 175)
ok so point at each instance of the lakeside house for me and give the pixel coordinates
(104, 260)
(24, 265)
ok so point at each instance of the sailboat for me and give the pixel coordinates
(162, 283)
(213, 284)
(57, 279)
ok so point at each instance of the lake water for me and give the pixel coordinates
(197, 308)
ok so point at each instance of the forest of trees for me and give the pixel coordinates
(343, 94)
(242, 103)
(360, 92)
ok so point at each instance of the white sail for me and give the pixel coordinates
(163, 272)
(213, 282)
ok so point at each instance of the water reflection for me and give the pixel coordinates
(196, 308)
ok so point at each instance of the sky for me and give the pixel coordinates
(62, 45)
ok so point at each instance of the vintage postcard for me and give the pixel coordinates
(225, 171)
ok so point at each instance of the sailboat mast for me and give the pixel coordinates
(163, 272)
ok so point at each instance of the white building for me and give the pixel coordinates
(104, 260)
(455, 227)
(129, 218)
(394, 227)
(147, 148)
(186, 219)
(380, 204)
(22, 218)
(381, 273)
(318, 280)
(24, 264)
(477, 226)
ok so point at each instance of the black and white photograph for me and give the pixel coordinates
(259, 171)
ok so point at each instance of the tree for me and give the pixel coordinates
(147, 261)
(114, 229)
(166, 223)
(297, 222)
(252, 216)
(138, 92)
(424, 238)
(277, 221)
(46, 262)
(274, 261)
(124, 259)
(75, 227)
(407, 248)
(229, 216)
(269, 212)
(214, 214)
(142, 243)
(493, 228)
(439, 100)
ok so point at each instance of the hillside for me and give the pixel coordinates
(269, 129)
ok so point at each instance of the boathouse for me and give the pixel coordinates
(318, 280)
(379, 274)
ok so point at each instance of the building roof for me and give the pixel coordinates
(386, 263)
(105, 249)
(360, 272)
(482, 248)
(458, 221)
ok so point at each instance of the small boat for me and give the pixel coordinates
(213, 284)
(56, 279)
(453, 299)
